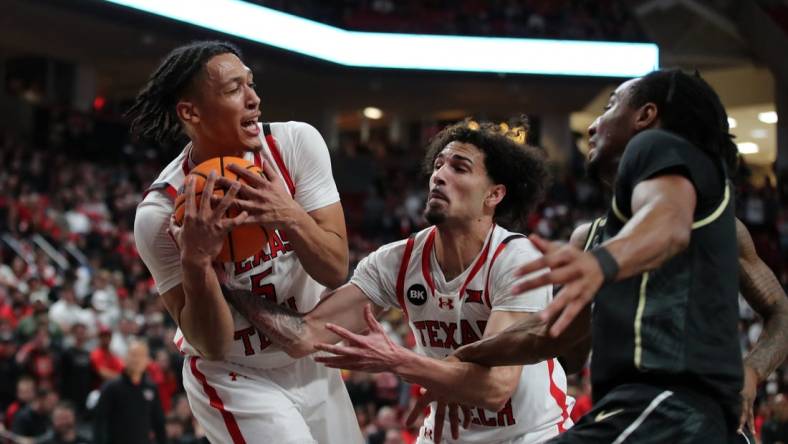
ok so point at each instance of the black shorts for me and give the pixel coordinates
(645, 414)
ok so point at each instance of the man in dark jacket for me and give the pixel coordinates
(129, 410)
(33, 420)
(64, 426)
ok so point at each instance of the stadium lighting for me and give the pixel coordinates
(759, 133)
(768, 117)
(732, 122)
(747, 147)
(373, 113)
(407, 51)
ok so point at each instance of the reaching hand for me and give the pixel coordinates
(264, 196)
(578, 271)
(373, 352)
(204, 229)
(440, 414)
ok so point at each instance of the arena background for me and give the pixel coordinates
(71, 176)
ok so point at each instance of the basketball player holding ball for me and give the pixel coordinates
(240, 388)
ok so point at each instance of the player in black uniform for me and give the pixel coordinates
(666, 364)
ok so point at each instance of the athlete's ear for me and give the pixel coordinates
(647, 116)
(187, 111)
(495, 195)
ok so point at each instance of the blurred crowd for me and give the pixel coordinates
(75, 299)
(553, 19)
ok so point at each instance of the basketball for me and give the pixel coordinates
(241, 242)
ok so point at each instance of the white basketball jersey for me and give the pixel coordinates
(299, 155)
(446, 315)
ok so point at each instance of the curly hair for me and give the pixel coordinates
(153, 114)
(509, 161)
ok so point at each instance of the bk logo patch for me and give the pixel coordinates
(417, 294)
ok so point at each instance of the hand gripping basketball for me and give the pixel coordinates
(241, 240)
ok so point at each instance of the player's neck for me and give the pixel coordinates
(457, 246)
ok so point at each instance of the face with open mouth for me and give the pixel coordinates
(227, 105)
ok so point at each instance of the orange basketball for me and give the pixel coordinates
(244, 241)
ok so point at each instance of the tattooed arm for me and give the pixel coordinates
(763, 292)
(297, 333)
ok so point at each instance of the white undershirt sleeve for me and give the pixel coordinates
(376, 274)
(156, 247)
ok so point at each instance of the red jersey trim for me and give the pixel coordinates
(403, 268)
(558, 395)
(426, 268)
(277, 155)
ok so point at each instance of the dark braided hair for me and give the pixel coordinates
(153, 114)
(689, 107)
(521, 168)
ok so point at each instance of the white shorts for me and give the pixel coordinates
(487, 436)
(301, 403)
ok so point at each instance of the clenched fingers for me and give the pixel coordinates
(225, 202)
(207, 192)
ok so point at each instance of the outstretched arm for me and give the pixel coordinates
(297, 333)
(528, 342)
(375, 352)
(763, 292)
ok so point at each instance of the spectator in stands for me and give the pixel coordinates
(17, 307)
(25, 393)
(66, 311)
(182, 411)
(581, 391)
(105, 363)
(76, 370)
(154, 330)
(393, 436)
(64, 426)
(129, 410)
(361, 389)
(38, 320)
(127, 331)
(105, 299)
(39, 355)
(9, 369)
(775, 430)
(37, 290)
(386, 420)
(34, 419)
(160, 373)
(177, 433)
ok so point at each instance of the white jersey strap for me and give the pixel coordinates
(403, 268)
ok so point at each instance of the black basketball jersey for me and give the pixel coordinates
(675, 325)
